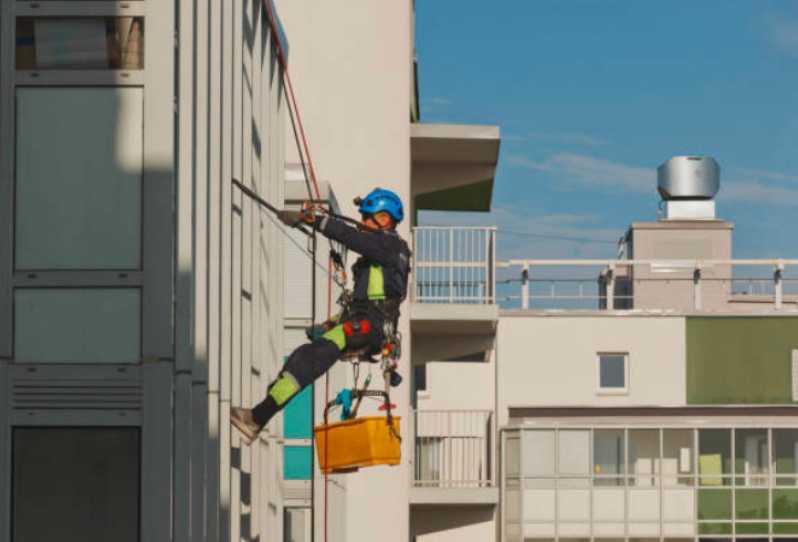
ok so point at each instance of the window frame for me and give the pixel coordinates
(600, 390)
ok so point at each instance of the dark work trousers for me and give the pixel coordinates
(311, 360)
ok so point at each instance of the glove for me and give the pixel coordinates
(292, 218)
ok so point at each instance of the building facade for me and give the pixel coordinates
(649, 397)
(140, 294)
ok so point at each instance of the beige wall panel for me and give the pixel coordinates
(539, 363)
(355, 104)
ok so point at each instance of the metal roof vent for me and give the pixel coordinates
(688, 184)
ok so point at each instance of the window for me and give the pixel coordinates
(80, 43)
(296, 525)
(81, 325)
(81, 207)
(76, 484)
(613, 373)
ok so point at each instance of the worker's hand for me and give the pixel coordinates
(293, 218)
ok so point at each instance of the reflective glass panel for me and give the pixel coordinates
(76, 484)
(78, 199)
(97, 325)
(714, 456)
(751, 456)
(80, 43)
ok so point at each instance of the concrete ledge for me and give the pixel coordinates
(430, 496)
(452, 318)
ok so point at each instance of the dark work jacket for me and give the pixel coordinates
(384, 249)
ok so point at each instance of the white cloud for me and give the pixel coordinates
(597, 172)
(558, 138)
(567, 138)
(758, 192)
(783, 34)
(590, 170)
(764, 174)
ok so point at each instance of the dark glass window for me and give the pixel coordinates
(76, 484)
(80, 43)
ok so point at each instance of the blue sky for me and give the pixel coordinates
(592, 95)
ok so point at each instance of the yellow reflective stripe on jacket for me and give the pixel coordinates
(376, 283)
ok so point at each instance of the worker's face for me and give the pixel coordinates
(379, 221)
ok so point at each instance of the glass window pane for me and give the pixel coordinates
(677, 457)
(785, 528)
(612, 371)
(715, 528)
(80, 43)
(574, 452)
(714, 504)
(752, 528)
(785, 503)
(296, 525)
(77, 325)
(608, 451)
(538, 450)
(644, 456)
(80, 208)
(751, 503)
(785, 451)
(298, 462)
(714, 459)
(512, 456)
(751, 456)
(76, 485)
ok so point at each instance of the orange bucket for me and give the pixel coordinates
(362, 442)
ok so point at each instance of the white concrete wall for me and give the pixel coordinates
(350, 64)
(551, 360)
(458, 386)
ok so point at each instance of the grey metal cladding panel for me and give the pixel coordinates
(215, 189)
(5, 454)
(199, 448)
(183, 457)
(41, 389)
(158, 185)
(237, 336)
(156, 460)
(6, 176)
(212, 470)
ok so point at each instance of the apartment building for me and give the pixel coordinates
(649, 397)
(141, 295)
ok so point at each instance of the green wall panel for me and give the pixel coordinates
(469, 197)
(740, 360)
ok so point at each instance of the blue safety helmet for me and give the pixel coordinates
(380, 200)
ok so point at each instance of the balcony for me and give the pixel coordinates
(454, 281)
(454, 458)
(659, 285)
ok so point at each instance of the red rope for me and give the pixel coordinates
(289, 93)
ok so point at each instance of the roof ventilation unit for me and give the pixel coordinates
(688, 185)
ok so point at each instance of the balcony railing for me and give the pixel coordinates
(695, 285)
(453, 448)
(454, 265)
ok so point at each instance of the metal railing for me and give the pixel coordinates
(697, 285)
(453, 448)
(454, 265)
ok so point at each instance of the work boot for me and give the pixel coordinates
(242, 419)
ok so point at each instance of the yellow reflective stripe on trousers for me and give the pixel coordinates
(376, 283)
(337, 336)
(285, 388)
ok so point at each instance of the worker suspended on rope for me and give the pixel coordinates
(371, 313)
